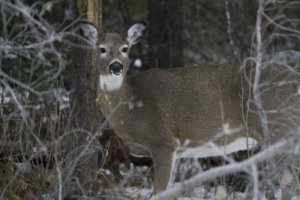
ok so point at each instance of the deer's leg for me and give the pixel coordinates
(163, 159)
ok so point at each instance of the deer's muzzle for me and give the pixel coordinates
(116, 68)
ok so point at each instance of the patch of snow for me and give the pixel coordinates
(221, 193)
(46, 196)
(53, 117)
(139, 193)
(64, 106)
(105, 171)
(209, 150)
(137, 63)
(287, 177)
(69, 13)
(44, 119)
(4, 99)
(65, 98)
(199, 192)
(37, 107)
(49, 6)
(229, 131)
(285, 56)
(62, 96)
(278, 194)
(139, 103)
(10, 55)
(24, 167)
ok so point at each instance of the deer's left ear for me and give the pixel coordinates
(90, 32)
(135, 32)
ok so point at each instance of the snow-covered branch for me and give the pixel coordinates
(223, 170)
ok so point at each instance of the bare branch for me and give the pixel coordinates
(223, 170)
(259, 56)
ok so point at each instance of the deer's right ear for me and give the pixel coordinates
(89, 32)
(135, 32)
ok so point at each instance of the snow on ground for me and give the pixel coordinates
(199, 193)
(139, 193)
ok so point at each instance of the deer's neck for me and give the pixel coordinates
(112, 92)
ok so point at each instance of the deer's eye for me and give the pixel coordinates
(124, 49)
(102, 50)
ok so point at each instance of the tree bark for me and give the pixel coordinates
(82, 145)
(165, 33)
(86, 72)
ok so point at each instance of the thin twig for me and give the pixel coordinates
(60, 186)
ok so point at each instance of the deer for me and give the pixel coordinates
(176, 112)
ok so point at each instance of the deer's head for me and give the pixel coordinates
(113, 52)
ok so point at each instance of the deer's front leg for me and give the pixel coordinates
(164, 160)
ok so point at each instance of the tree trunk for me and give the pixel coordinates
(165, 33)
(86, 73)
(82, 145)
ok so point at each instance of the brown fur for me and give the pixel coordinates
(153, 110)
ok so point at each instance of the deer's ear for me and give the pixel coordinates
(135, 32)
(89, 32)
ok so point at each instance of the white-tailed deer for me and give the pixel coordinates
(158, 111)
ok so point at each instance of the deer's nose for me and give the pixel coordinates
(116, 68)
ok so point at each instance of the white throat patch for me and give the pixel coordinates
(110, 82)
